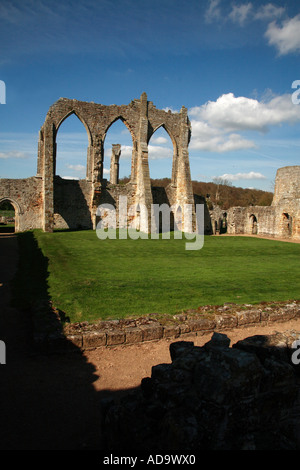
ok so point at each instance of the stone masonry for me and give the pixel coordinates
(50, 202)
(281, 219)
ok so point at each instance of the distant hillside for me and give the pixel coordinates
(224, 194)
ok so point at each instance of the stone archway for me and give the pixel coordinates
(253, 224)
(17, 211)
(142, 118)
(286, 225)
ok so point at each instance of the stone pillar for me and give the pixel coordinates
(48, 177)
(143, 191)
(114, 163)
(184, 189)
(40, 159)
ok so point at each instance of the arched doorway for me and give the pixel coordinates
(286, 225)
(9, 216)
(253, 224)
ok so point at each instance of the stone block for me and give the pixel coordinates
(93, 339)
(200, 324)
(152, 332)
(133, 335)
(247, 317)
(171, 331)
(74, 340)
(226, 321)
(114, 337)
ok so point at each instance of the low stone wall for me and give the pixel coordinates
(48, 329)
(214, 397)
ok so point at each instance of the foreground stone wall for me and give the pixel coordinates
(215, 397)
(49, 334)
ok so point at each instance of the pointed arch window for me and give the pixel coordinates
(160, 154)
(72, 143)
(117, 153)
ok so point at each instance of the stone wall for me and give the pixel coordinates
(215, 397)
(142, 119)
(281, 219)
(49, 202)
(27, 199)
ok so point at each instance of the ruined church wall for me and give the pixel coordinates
(71, 204)
(26, 197)
(240, 220)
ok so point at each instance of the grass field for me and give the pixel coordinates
(88, 278)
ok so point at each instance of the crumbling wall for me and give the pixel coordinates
(27, 199)
(215, 397)
(142, 119)
(281, 219)
(252, 220)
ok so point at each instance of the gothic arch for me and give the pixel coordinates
(57, 126)
(170, 134)
(17, 208)
(127, 125)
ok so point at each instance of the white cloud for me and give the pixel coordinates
(213, 12)
(212, 139)
(171, 109)
(240, 13)
(79, 168)
(233, 114)
(252, 175)
(269, 12)
(70, 177)
(285, 38)
(216, 125)
(13, 154)
(159, 140)
(106, 171)
(156, 152)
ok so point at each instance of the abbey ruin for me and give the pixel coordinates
(48, 202)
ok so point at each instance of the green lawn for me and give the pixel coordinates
(88, 278)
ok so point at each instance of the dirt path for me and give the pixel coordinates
(53, 402)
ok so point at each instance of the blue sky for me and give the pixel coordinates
(231, 63)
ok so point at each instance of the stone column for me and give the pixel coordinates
(184, 191)
(143, 191)
(114, 163)
(48, 176)
(40, 159)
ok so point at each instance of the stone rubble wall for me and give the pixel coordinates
(26, 197)
(215, 397)
(84, 335)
